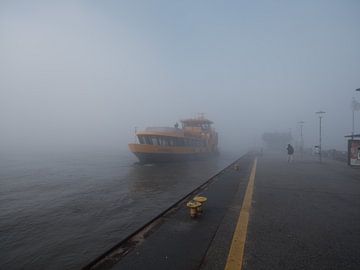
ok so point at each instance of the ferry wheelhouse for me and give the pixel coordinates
(194, 139)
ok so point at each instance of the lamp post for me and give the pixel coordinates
(301, 123)
(320, 113)
(353, 117)
(353, 121)
(354, 108)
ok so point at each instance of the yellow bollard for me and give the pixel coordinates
(193, 205)
(201, 200)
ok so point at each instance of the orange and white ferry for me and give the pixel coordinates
(194, 139)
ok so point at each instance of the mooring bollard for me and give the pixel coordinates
(201, 200)
(193, 205)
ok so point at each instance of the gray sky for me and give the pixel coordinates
(87, 72)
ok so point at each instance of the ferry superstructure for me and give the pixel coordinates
(196, 138)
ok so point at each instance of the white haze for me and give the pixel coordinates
(85, 73)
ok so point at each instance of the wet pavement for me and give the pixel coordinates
(178, 241)
(304, 215)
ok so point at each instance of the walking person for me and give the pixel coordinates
(290, 151)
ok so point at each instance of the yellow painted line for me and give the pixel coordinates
(236, 253)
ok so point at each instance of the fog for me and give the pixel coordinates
(86, 73)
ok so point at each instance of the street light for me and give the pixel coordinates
(320, 113)
(301, 123)
(355, 107)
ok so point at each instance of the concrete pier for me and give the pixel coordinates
(269, 214)
(305, 215)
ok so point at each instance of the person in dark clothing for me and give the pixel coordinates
(290, 150)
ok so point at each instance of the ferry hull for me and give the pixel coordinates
(166, 157)
(155, 154)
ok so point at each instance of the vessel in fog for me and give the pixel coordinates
(196, 138)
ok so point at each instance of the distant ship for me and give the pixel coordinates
(194, 139)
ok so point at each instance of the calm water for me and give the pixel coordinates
(60, 211)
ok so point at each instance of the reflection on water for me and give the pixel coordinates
(61, 211)
(160, 178)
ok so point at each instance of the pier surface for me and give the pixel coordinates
(269, 214)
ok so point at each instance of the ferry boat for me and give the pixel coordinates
(196, 138)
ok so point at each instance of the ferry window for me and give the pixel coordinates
(147, 140)
(163, 141)
(205, 127)
(141, 139)
(172, 142)
(155, 140)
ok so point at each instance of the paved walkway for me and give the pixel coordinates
(303, 215)
(176, 241)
